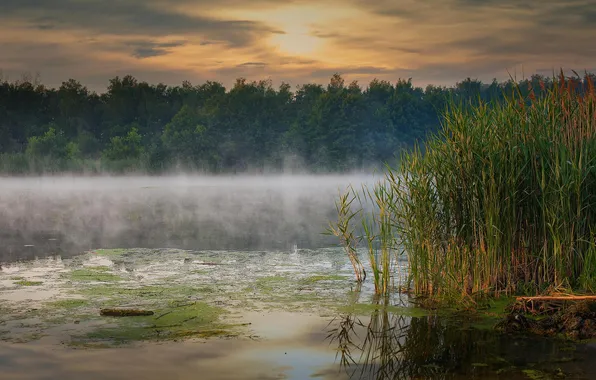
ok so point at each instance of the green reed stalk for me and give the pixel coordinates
(502, 201)
(344, 230)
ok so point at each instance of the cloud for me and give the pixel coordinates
(259, 65)
(244, 70)
(147, 49)
(371, 70)
(476, 35)
(45, 26)
(439, 41)
(131, 17)
(148, 52)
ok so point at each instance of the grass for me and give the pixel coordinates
(502, 201)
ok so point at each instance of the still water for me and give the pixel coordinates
(296, 346)
(66, 215)
(249, 246)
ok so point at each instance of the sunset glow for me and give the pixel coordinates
(434, 41)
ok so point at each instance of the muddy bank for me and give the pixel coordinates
(571, 319)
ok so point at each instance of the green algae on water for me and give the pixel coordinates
(180, 319)
(68, 303)
(88, 274)
(98, 268)
(110, 252)
(29, 283)
(268, 282)
(320, 278)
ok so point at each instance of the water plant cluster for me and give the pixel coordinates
(501, 201)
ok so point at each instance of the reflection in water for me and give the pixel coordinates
(391, 346)
(287, 346)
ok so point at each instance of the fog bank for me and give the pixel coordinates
(67, 215)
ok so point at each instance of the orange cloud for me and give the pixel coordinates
(435, 41)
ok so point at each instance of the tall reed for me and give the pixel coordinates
(374, 214)
(503, 199)
(344, 230)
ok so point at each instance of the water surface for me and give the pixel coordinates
(67, 215)
(297, 315)
(250, 248)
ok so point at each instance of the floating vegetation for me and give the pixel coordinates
(91, 274)
(68, 304)
(109, 252)
(29, 283)
(188, 299)
(322, 277)
(125, 312)
(178, 320)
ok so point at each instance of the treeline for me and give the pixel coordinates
(137, 126)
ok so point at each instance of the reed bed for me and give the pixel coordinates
(501, 201)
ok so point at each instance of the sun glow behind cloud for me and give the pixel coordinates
(296, 41)
(434, 41)
(297, 24)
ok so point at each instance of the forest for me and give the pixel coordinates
(253, 126)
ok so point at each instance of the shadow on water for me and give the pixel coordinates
(385, 345)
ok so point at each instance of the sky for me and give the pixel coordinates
(294, 41)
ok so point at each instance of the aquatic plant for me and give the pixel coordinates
(344, 230)
(501, 201)
(375, 229)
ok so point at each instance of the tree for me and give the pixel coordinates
(186, 138)
(52, 144)
(124, 148)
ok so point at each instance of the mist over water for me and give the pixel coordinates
(67, 215)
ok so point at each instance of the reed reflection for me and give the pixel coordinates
(388, 345)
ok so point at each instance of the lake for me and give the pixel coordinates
(240, 282)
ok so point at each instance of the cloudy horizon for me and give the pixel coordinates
(300, 41)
